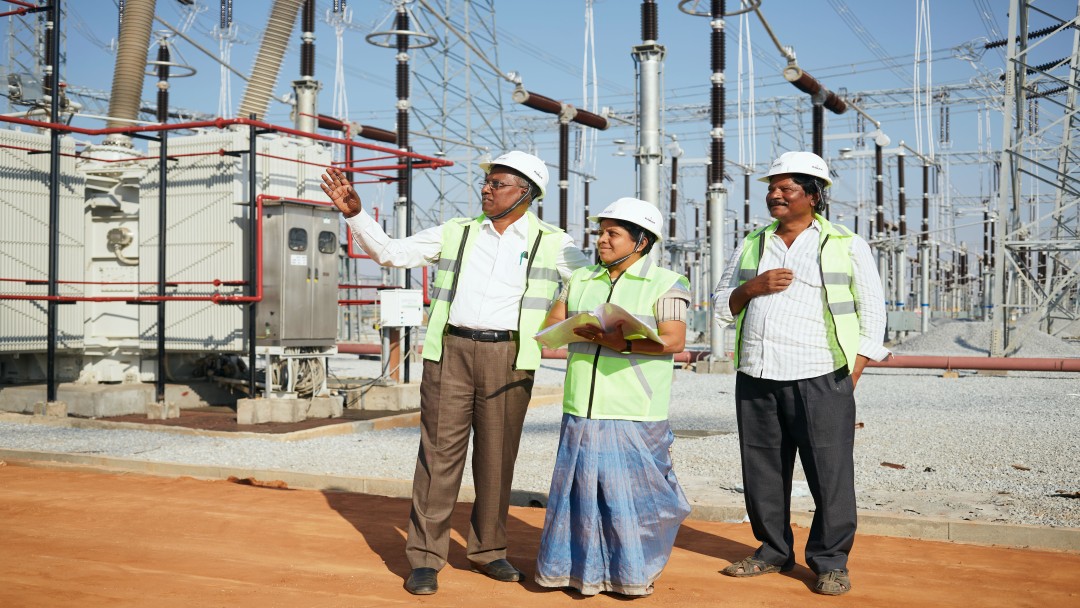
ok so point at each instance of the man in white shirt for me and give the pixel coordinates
(497, 276)
(809, 312)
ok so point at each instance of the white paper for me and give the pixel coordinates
(606, 316)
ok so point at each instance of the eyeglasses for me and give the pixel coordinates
(496, 184)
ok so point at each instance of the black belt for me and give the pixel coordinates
(482, 335)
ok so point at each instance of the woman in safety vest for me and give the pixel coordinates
(615, 505)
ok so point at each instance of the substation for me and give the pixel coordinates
(167, 258)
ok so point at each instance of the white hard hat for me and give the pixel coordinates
(806, 163)
(635, 211)
(528, 165)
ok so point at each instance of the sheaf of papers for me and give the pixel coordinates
(606, 316)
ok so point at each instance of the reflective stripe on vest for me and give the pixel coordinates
(541, 284)
(619, 385)
(834, 258)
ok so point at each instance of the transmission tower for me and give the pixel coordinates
(24, 74)
(457, 99)
(1037, 255)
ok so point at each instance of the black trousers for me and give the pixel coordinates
(816, 418)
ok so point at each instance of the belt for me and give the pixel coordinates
(482, 335)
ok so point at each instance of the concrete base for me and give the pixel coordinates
(714, 367)
(396, 397)
(85, 400)
(162, 411)
(54, 409)
(258, 411)
(326, 407)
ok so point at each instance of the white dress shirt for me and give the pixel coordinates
(784, 335)
(492, 279)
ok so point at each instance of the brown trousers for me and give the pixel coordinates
(474, 388)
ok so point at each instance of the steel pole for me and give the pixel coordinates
(716, 197)
(53, 74)
(649, 56)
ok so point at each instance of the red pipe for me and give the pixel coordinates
(19, 11)
(215, 282)
(986, 363)
(83, 156)
(1020, 364)
(221, 123)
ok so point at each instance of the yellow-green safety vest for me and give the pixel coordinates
(607, 384)
(541, 284)
(834, 258)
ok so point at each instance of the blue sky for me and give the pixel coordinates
(855, 45)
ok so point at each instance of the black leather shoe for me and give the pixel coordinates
(500, 570)
(422, 581)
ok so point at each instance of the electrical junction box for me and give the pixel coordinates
(300, 275)
(401, 307)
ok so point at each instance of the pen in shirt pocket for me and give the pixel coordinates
(524, 256)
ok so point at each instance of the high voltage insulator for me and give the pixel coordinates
(1042, 67)
(120, 14)
(1030, 36)
(307, 47)
(163, 62)
(226, 14)
(339, 5)
(649, 23)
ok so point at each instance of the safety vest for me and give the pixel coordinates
(541, 284)
(834, 259)
(608, 384)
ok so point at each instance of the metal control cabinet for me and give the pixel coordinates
(300, 275)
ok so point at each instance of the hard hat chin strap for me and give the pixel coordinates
(627, 256)
(511, 207)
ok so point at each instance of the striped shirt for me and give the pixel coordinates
(784, 336)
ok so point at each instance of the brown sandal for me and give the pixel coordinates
(751, 566)
(833, 582)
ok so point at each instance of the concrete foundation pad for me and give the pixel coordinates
(258, 411)
(326, 407)
(85, 400)
(274, 409)
(714, 367)
(162, 411)
(392, 397)
(54, 409)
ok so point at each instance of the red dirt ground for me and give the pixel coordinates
(77, 536)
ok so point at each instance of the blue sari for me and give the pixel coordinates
(614, 507)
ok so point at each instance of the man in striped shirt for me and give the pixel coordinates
(809, 312)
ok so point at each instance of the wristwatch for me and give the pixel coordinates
(628, 348)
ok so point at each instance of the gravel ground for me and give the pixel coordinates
(977, 447)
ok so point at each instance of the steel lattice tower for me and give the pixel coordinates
(1037, 255)
(457, 100)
